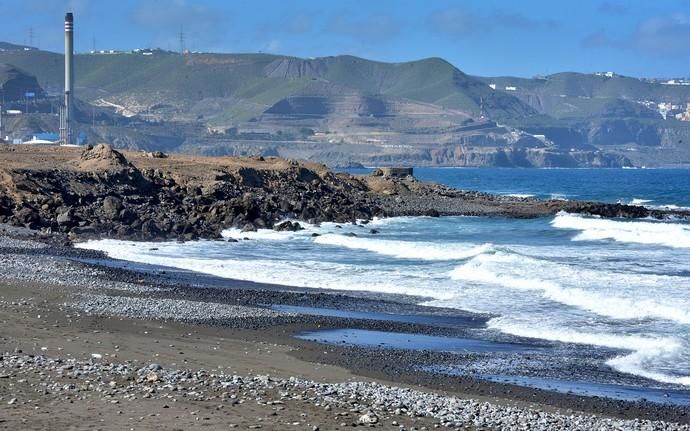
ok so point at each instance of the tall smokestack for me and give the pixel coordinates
(69, 77)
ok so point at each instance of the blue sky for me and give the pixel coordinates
(485, 37)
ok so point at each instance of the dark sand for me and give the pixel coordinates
(44, 329)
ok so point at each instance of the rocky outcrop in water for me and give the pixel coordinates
(99, 192)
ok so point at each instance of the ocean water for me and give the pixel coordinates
(668, 188)
(619, 284)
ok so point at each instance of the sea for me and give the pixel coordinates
(585, 281)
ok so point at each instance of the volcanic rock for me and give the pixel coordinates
(288, 226)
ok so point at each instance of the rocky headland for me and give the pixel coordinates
(97, 191)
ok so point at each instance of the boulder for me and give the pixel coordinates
(81, 231)
(127, 215)
(150, 229)
(249, 227)
(152, 377)
(124, 232)
(156, 155)
(65, 218)
(368, 418)
(432, 213)
(111, 207)
(288, 226)
(28, 217)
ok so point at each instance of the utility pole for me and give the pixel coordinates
(182, 40)
(31, 36)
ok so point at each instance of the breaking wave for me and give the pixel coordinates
(584, 289)
(406, 249)
(296, 273)
(667, 234)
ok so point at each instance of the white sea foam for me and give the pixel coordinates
(392, 221)
(306, 231)
(558, 197)
(519, 195)
(668, 234)
(637, 201)
(261, 234)
(406, 249)
(297, 273)
(647, 351)
(270, 234)
(641, 363)
(577, 287)
(671, 207)
(647, 203)
(541, 331)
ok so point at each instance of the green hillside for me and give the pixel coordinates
(252, 78)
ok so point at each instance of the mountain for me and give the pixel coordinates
(15, 83)
(6, 46)
(263, 79)
(578, 95)
(616, 114)
(347, 110)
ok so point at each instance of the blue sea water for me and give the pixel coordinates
(658, 187)
(617, 284)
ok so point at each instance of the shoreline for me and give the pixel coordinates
(96, 192)
(248, 322)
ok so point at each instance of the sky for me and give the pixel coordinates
(644, 38)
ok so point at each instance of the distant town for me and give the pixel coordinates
(667, 110)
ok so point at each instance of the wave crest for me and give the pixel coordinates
(673, 235)
(406, 249)
(570, 286)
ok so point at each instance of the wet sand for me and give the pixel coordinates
(38, 325)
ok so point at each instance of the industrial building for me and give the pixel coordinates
(22, 96)
(66, 113)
